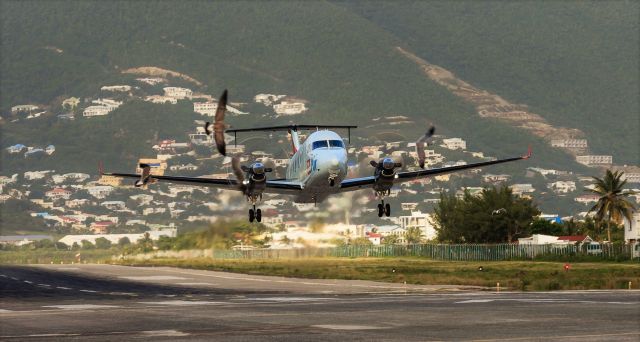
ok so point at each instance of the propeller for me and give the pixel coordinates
(256, 173)
(385, 165)
(218, 127)
(420, 144)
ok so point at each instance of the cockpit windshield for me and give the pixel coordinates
(320, 144)
(327, 143)
(336, 143)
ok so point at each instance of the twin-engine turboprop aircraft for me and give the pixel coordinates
(317, 169)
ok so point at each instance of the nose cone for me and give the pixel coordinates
(334, 163)
(388, 163)
(258, 168)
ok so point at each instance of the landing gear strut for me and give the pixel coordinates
(255, 214)
(384, 209)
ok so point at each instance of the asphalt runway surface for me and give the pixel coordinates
(105, 302)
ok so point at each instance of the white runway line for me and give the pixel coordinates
(183, 302)
(288, 299)
(152, 278)
(197, 284)
(5, 310)
(88, 291)
(63, 288)
(346, 327)
(68, 268)
(81, 306)
(28, 282)
(163, 333)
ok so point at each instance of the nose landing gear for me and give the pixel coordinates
(255, 214)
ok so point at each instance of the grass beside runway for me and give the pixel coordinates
(516, 275)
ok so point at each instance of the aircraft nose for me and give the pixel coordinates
(333, 163)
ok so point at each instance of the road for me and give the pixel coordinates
(105, 302)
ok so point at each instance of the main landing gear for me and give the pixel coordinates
(255, 214)
(384, 209)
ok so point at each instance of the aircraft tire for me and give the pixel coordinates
(258, 215)
(387, 210)
(380, 210)
(251, 215)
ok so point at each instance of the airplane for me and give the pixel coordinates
(317, 169)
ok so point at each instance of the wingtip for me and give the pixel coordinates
(529, 153)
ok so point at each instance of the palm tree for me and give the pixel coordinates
(613, 203)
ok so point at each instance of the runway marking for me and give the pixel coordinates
(28, 282)
(197, 284)
(81, 306)
(152, 278)
(45, 285)
(5, 310)
(68, 268)
(63, 288)
(346, 327)
(543, 300)
(288, 299)
(169, 333)
(14, 278)
(183, 302)
(88, 291)
(554, 337)
(3, 276)
(123, 294)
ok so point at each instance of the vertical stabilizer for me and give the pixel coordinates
(295, 140)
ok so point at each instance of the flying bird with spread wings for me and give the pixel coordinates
(424, 140)
(218, 127)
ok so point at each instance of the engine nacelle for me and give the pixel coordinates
(384, 173)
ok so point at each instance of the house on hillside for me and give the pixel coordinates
(454, 144)
(58, 193)
(17, 148)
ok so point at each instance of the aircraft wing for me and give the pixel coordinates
(367, 182)
(272, 186)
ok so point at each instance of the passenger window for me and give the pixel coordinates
(320, 144)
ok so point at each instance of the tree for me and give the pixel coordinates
(103, 243)
(86, 244)
(413, 235)
(390, 239)
(124, 241)
(496, 215)
(613, 204)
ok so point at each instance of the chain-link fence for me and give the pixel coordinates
(449, 252)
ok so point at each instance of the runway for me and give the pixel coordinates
(105, 302)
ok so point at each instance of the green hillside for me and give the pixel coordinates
(575, 63)
(344, 64)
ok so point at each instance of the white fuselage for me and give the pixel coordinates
(321, 158)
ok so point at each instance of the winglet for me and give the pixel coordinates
(100, 168)
(529, 153)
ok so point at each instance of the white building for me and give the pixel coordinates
(161, 99)
(538, 239)
(420, 220)
(454, 144)
(267, 99)
(35, 175)
(114, 205)
(122, 88)
(587, 199)
(595, 160)
(519, 189)
(178, 93)
(100, 191)
(562, 187)
(632, 229)
(69, 240)
(491, 178)
(151, 80)
(23, 108)
(95, 111)
(71, 103)
(58, 193)
(289, 108)
(580, 144)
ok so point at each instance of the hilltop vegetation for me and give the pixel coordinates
(574, 63)
(341, 60)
